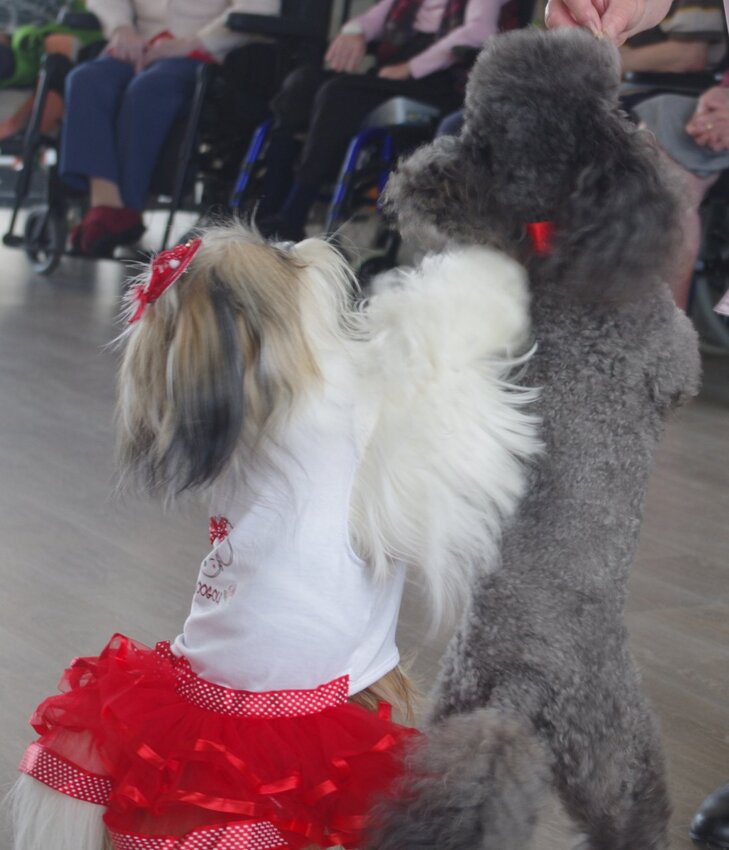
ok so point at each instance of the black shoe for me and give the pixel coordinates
(710, 825)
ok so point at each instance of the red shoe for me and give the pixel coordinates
(105, 228)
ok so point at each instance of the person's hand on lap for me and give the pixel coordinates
(127, 45)
(395, 72)
(709, 125)
(169, 48)
(346, 52)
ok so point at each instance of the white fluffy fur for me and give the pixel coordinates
(43, 819)
(444, 465)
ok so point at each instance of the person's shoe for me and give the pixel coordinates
(279, 228)
(105, 228)
(710, 825)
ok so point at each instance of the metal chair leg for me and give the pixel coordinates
(51, 67)
(204, 75)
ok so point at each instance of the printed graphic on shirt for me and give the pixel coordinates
(208, 590)
(218, 529)
(216, 563)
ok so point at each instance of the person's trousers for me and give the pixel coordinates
(117, 121)
(337, 104)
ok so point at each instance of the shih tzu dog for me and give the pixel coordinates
(339, 446)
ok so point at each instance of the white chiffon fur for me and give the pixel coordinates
(444, 466)
(44, 819)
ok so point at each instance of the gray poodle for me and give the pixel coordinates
(538, 687)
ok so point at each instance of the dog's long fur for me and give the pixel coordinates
(538, 688)
(218, 365)
(43, 819)
(225, 356)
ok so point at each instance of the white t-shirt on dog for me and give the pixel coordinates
(283, 602)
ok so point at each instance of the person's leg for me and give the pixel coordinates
(150, 104)
(696, 189)
(291, 108)
(154, 99)
(340, 106)
(88, 142)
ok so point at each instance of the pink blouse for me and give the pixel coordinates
(480, 21)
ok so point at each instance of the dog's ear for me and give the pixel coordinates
(205, 387)
(440, 194)
(181, 388)
(618, 229)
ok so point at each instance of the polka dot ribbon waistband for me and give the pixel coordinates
(234, 703)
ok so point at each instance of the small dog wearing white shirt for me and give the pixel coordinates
(339, 446)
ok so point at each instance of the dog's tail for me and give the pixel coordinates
(474, 782)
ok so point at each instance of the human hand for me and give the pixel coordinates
(709, 125)
(168, 48)
(127, 45)
(346, 52)
(618, 20)
(395, 72)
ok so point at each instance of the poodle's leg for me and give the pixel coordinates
(44, 819)
(609, 765)
(476, 781)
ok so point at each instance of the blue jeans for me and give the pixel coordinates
(117, 121)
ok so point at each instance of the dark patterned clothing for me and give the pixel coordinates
(400, 26)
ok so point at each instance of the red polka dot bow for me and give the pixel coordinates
(165, 269)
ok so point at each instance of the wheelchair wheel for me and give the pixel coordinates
(44, 239)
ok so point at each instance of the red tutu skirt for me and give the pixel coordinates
(180, 763)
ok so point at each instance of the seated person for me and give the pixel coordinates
(694, 133)
(692, 37)
(413, 59)
(20, 60)
(121, 107)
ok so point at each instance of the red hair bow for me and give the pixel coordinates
(164, 270)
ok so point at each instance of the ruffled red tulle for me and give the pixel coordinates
(173, 767)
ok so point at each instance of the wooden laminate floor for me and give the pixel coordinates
(77, 564)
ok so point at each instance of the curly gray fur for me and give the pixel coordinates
(544, 139)
(543, 644)
(490, 770)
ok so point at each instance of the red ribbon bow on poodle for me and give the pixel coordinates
(165, 269)
(541, 233)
